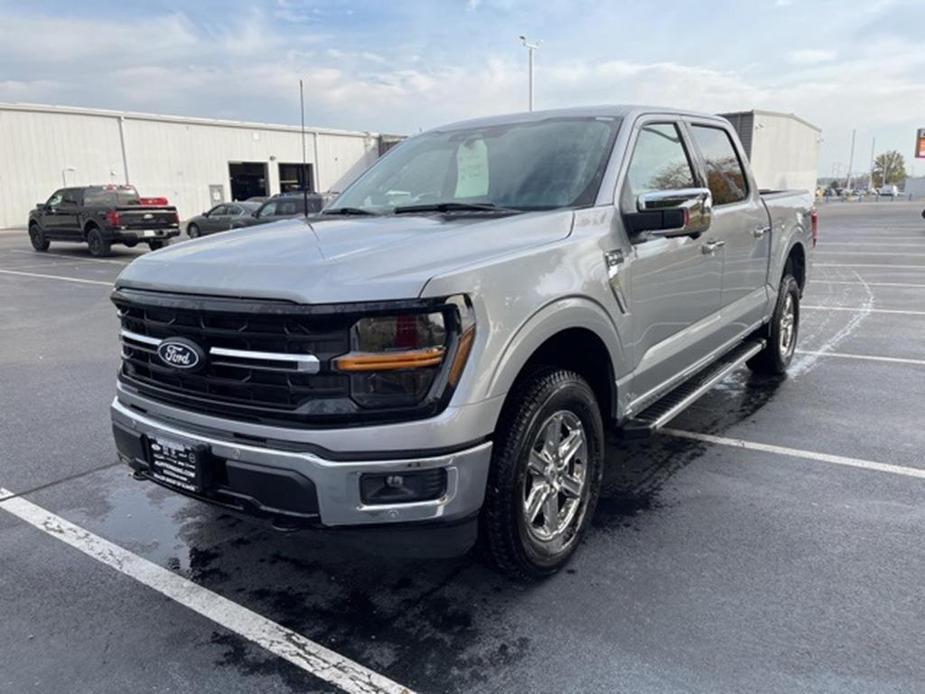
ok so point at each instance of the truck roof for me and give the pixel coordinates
(613, 111)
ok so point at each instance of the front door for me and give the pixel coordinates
(218, 219)
(740, 222)
(674, 284)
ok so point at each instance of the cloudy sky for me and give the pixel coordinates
(403, 65)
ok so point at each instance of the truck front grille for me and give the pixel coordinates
(263, 361)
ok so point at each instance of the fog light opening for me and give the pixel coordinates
(407, 487)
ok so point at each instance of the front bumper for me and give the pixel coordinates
(303, 486)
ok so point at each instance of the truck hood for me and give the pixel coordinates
(339, 259)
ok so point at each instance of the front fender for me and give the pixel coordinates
(551, 319)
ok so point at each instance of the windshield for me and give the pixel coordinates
(537, 165)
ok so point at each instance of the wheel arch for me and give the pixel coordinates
(87, 227)
(575, 334)
(796, 260)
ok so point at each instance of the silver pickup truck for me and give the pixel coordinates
(440, 351)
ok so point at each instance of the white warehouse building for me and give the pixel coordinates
(194, 162)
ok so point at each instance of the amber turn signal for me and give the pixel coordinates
(390, 361)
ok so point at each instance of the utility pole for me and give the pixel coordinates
(873, 147)
(851, 159)
(531, 49)
(302, 178)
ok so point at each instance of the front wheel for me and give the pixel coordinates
(193, 231)
(782, 335)
(37, 238)
(545, 475)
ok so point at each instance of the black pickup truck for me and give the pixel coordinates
(101, 216)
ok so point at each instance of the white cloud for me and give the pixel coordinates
(811, 56)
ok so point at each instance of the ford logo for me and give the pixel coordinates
(180, 353)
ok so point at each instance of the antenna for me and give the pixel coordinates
(302, 177)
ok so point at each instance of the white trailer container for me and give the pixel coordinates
(782, 148)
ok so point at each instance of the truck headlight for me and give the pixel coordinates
(404, 359)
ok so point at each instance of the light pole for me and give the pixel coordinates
(64, 174)
(531, 48)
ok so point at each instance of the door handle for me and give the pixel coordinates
(760, 231)
(709, 247)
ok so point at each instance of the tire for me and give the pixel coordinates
(156, 245)
(37, 238)
(527, 476)
(783, 331)
(193, 231)
(99, 246)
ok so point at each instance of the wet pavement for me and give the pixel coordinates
(709, 568)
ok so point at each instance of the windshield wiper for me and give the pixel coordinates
(348, 211)
(454, 207)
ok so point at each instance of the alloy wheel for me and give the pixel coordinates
(555, 486)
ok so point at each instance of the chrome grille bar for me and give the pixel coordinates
(306, 363)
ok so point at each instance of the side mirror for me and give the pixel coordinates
(672, 213)
(205, 214)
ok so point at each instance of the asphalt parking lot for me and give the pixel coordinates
(770, 541)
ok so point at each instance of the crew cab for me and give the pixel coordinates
(101, 216)
(440, 351)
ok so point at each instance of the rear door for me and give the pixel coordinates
(67, 215)
(740, 223)
(674, 283)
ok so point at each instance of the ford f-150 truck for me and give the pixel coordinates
(443, 347)
(101, 216)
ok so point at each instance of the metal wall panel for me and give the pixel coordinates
(175, 157)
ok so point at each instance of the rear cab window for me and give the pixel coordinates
(725, 174)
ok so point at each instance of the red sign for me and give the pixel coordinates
(920, 144)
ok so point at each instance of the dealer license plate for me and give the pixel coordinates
(177, 464)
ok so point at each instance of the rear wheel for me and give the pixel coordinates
(545, 475)
(193, 231)
(99, 247)
(783, 331)
(155, 245)
(37, 238)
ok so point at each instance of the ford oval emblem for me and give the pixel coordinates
(180, 353)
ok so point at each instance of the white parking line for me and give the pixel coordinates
(892, 267)
(820, 251)
(55, 277)
(305, 654)
(865, 310)
(871, 284)
(823, 246)
(77, 258)
(868, 357)
(798, 453)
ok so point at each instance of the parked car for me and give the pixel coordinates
(223, 217)
(283, 206)
(888, 192)
(101, 216)
(448, 366)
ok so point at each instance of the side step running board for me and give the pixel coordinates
(671, 405)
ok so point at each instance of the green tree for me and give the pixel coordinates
(889, 168)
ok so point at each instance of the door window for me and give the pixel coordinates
(268, 210)
(725, 174)
(56, 198)
(659, 161)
